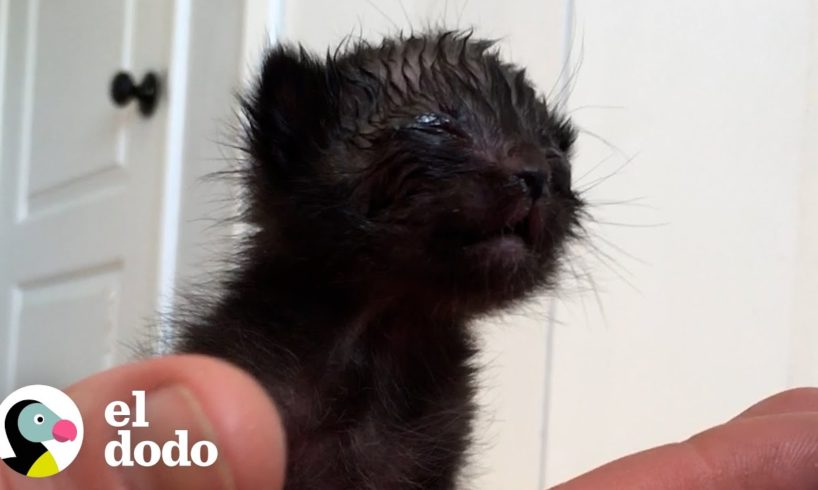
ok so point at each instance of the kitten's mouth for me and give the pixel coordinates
(527, 226)
(524, 226)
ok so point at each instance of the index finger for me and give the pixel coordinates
(777, 450)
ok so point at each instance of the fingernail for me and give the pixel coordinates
(162, 456)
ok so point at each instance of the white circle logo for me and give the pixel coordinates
(41, 431)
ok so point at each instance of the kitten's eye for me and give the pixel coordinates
(39, 419)
(428, 118)
(437, 123)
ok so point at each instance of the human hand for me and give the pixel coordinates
(772, 445)
(212, 399)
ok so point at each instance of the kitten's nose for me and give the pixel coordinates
(534, 181)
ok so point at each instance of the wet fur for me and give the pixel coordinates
(381, 185)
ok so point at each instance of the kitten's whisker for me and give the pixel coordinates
(406, 17)
(460, 14)
(602, 179)
(572, 82)
(579, 180)
(633, 225)
(588, 107)
(613, 269)
(611, 260)
(581, 296)
(619, 249)
(604, 141)
(597, 296)
(562, 81)
(635, 202)
(383, 14)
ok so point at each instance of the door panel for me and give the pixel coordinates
(68, 61)
(90, 297)
(81, 186)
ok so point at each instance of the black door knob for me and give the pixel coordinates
(123, 90)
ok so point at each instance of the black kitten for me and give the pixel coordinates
(397, 191)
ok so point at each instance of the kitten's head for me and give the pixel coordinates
(423, 166)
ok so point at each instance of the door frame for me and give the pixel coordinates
(201, 126)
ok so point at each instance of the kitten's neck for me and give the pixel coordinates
(303, 293)
(391, 374)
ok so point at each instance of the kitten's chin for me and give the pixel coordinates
(496, 271)
(499, 255)
(502, 248)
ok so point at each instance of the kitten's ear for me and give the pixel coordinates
(289, 113)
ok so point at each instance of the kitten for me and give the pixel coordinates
(397, 191)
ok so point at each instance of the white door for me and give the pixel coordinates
(80, 184)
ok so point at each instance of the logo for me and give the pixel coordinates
(41, 431)
(175, 452)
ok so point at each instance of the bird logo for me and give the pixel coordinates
(43, 431)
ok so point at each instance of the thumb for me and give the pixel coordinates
(212, 400)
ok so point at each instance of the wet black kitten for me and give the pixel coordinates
(397, 192)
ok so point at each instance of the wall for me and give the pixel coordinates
(709, 102)
(804, 366)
